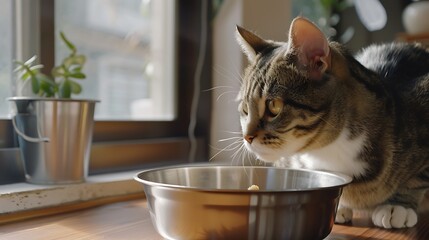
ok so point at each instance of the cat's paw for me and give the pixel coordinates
(394, 216)
(343, 215)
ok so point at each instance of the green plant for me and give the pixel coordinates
(62, 82)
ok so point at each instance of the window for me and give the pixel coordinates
(130, 50)
(6, 55)
(123, 138)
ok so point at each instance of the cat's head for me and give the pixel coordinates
(287, 94)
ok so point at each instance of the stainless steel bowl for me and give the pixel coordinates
(212, 202)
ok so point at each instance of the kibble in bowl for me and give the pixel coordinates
(254, 187)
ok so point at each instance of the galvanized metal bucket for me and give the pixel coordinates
(55, 137)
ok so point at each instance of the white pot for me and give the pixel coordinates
(416, 17)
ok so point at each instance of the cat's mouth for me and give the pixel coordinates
(263, 149)
(269, 147)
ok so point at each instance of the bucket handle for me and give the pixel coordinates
(27, 138)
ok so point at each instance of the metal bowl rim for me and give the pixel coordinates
(346, 179)
(50, 99)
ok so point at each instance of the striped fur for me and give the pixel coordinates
(365, 115)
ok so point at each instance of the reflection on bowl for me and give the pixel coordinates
(212, 202)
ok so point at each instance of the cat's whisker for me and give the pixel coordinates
(240, 76)
(227, 92)
(226, 148)
(231, 132)
(228, 139)
(218, 87)
(247, 155)
(230, 147)
(227, 74)
(243, 159)
(237, 153)
(235, 92)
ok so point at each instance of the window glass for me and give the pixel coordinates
(130, 50)
(6, 55)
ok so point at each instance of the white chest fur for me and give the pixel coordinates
(340, 156)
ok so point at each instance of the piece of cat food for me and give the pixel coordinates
(254, 187)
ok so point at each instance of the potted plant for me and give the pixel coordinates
(54, 130)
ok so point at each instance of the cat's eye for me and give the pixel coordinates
(244, 108)
(275, 106)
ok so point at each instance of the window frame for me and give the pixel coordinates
(143, 143)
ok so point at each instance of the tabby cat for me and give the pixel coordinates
(310, 103)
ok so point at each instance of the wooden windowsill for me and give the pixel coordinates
(23, 200)
(421, 38)
(131, 220)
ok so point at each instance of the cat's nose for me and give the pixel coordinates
(249, 138)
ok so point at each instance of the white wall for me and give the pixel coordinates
(269, 19)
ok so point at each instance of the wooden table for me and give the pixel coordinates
(131, 220)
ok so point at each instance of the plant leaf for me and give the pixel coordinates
(74, 60)
(31, 60)
(20, 67)
(76, 69)
(80, 59)
(78, 75)
(35, 87)
(67, 42)
(76, 88)
(47, 88)
(24, 75)
(65, 89)
(57, 71)
(36, 67)
(43, 78)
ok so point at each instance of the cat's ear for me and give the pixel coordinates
(311, 45)
(250, 43)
